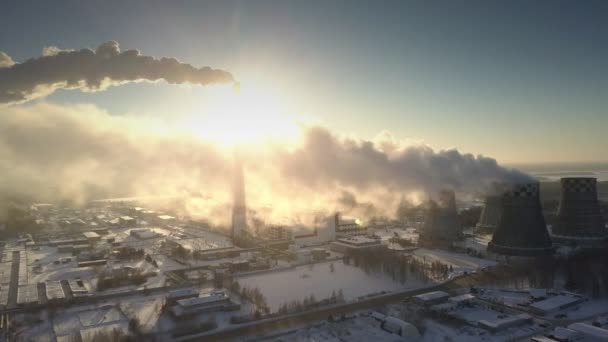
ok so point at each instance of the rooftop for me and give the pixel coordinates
(430, 296)
(555, 302)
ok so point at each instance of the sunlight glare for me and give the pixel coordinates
(244, 116)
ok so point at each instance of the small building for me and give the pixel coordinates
(589, 331)
(278, 232)
(77, 287)
(505, 323)
(76, 249)
(431, 298)
(165, 219)
(351, 243)
(555, 303)
(462, 299)
(92, 263)
(399, 327)
(211, 301)
(127, 221)
(54, 291)
(239, 266)
(142, 234)
(174, 295)
(91, 236)
(27, 295)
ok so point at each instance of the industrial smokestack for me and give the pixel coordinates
(579, 219)
(521, 230)
(441, 222)
(239, 205)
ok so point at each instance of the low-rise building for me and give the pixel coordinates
(352, 243)
(174, 295)
(211, 301)
(91, 236)
(142, 234)
(590, 332)
(27, 295)
(505, 323)
(54, 291)
(555, 303)
(431, 298)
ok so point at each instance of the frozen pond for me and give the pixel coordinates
(320, 281)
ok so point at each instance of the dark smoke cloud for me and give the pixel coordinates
(94, 70)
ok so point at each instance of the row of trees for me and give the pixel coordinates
(310, 302)
(252, 295)
(397, 266)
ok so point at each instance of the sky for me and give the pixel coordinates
(520, 81)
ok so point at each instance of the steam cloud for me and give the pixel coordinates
(93, 70)
(51, 152)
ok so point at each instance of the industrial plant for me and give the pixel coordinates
(156, 272)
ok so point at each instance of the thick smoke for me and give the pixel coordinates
(50, 153)
(94, 70)
(325, 160)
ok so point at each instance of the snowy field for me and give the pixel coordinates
(358, 329)
(45, 257)
(435, 331)
(318, 280)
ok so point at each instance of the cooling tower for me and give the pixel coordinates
(521, 229)
(490, 214)
(442, 222)
(579, 218)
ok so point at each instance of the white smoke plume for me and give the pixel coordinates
(79, 152)
(94, 70)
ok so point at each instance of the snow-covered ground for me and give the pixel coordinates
(45, 257)
(358, 329)
(318, 279)
(436, 331)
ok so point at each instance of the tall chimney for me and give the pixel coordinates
(239, 206)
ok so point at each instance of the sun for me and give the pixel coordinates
(249, 115)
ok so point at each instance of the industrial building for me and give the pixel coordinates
(174, 295)
(348, 226)
(431, 298)
(54, 291)
(522, 230)
(353, 243)
(579, 218)
(142, 234)
(211, 301)
(556, 303)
